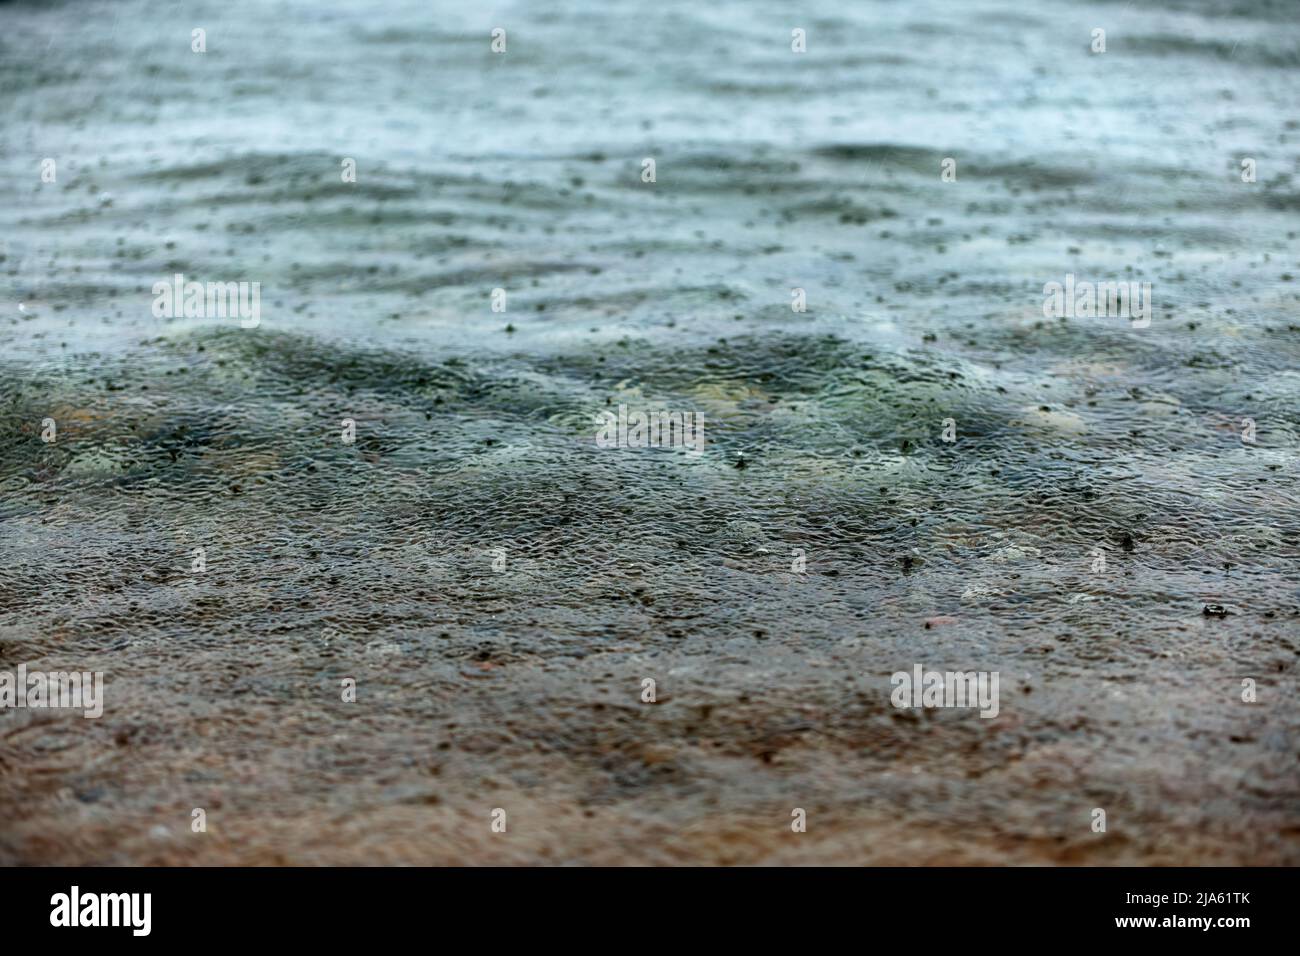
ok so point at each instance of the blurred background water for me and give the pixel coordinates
(521, 688)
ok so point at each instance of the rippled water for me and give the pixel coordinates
(522, 688)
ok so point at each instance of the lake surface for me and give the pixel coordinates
(499, 586)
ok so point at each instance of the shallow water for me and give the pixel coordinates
(521, 688)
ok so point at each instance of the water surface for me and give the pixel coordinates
(521, 688)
